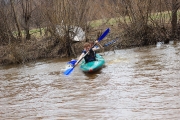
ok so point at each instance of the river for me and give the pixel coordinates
(137, 83)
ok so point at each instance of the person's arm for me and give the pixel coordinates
(100, 46)
(82, 54)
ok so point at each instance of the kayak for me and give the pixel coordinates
(94, 65)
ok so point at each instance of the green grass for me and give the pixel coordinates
(33, 32)
(163, 16)
(36, 32)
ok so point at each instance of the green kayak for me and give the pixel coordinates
(92, 66)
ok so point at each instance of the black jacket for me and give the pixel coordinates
(91, 56)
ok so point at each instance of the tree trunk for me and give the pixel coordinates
(174, 18)
(16, 21)
(27, 15)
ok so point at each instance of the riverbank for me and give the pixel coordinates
(32, 50)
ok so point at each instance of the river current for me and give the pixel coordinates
(137, 83)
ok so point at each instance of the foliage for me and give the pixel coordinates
(138, 22)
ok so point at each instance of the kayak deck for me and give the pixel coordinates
(94, 65)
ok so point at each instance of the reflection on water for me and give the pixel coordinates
(139, 83)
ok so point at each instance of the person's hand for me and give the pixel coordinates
(76, 64)
(96, 41)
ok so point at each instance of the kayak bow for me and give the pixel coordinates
(94, 65)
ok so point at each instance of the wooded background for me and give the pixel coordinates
(142, 22)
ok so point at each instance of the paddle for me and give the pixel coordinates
(68, 71)
(73, 61)
(111, 42)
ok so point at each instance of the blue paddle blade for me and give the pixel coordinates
(111, 42)
(104, 34)
(68, 71)
(72, 62)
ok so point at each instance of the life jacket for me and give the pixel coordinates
(91, 56)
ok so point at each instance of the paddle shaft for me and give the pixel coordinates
(84, 55)
(100, 38)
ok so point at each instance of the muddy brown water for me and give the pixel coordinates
(138, 83)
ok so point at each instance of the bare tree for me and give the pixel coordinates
(175, 7)
(66, 15)
(6, 35)
(16, 21)
(27, 10)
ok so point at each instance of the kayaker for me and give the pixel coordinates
(91, 56)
